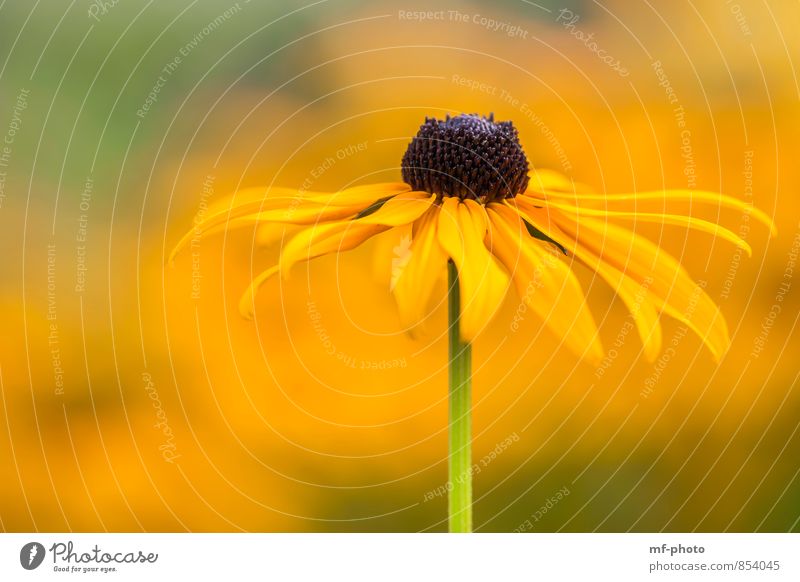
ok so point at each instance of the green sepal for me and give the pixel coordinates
(536, 233)
(374, 207)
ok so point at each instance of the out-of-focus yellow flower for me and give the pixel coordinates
(469, 197)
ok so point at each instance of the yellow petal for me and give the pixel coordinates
(461, 230)
(542, 180)
(359, 195)
(671, 219)
(402, 209)
(644, 314)
(323, 239)
(391, 250)
(632, 292)
(417, 278)
(340, 236)
(272, 232)
(286, 211)
(545, 284)
(256, 199)
(283, 205)
(608, 201)
(670, 288)
(246, 303)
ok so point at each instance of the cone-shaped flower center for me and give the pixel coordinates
(468, 156)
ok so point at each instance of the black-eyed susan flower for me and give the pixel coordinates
(473, 203)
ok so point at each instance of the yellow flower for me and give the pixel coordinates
(469, 196)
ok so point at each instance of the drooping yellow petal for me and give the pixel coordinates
(286, 212)
(644, 314)
(246, 303)
(253, 199)
(271, 233)
(670, 288)
(361, 195)
(671, 219)
(391, 251)
(634, 294)
(402, 209)
(461, 231)
(251, 206)
(417, 278)
(345, 235)
(542, 180)
(545, 284)
(323, 239)
(617, 201)
(257, 199)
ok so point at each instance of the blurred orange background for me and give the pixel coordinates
(135, 398)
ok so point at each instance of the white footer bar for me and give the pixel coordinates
(415, 557)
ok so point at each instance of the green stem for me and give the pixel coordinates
(460, 431)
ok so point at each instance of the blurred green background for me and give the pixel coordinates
(132, 401)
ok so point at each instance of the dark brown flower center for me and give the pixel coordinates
(467, 156)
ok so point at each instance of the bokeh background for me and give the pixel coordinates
(135, 398)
